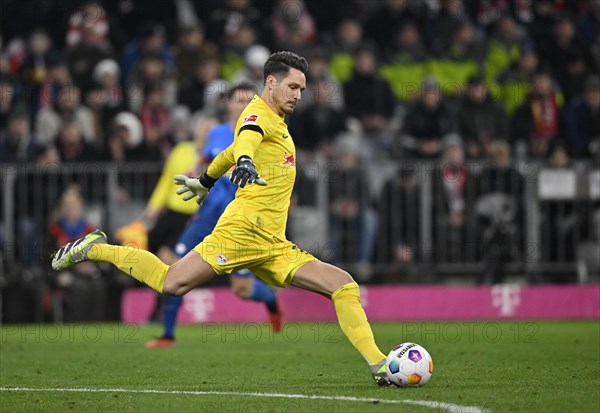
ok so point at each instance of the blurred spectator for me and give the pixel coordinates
(368, 98)
(57, 76)
(293, 23)
(107, 74)
(83, 58)
(499, 175)
(318, 72)
(7, 100)
(39, 57)
(151, 42)
(133, 19)
(353, 224)
(453, 200)
(399, 237)
(255, 58)
(480, 119)
(496, 212)
(329, 14)
(563, 49)
(12, 56)
(443, 21)
(408, 46)
(17, 21)
(17, 143)
(201, 91)
(227, 19)
(572, 79)
(407, 64)
(427, 121)
(588, 29)
(152, 72)
(545, 16)
(155, 121)
(558, 156)
(349, 37)
(501, 209)
(50, 121)
(191, 49)
(319, 123)
(102, 115)
(515, 82)
(83, 288)
(235, 48)
(504, 47)
(487, 12)
(582, 121)
(461, 44)
(382, 25)
(91, 15)
(180, 125)
(127, 142)
(71, 145)
(536, 122)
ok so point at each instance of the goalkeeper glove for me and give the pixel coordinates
(194, 187)
(245, 173)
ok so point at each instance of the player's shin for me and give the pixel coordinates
(354, 324)
(139, 264)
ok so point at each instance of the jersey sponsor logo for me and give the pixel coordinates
(284, 136)
(289, 159)
(221, 259)
(250, 120)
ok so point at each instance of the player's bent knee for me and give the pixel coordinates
(175, 284)
(344, 278)
(175, 288)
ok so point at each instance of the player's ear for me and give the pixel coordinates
(271, 80)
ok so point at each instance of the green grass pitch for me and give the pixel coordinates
(478, 366)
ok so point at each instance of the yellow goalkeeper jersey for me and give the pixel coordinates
(180, 161)
(274, 154)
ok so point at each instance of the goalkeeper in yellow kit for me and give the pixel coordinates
(251, 232)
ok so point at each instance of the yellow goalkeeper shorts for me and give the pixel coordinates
(238, 244)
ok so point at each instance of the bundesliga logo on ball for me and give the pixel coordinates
(409, 364)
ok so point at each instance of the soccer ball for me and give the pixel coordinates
(409, 364)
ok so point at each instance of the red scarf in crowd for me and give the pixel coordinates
(545, 117)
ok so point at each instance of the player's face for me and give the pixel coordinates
(288, 92)
(238, 103)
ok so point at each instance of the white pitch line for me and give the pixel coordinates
(451, 407)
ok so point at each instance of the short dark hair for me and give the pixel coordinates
(241, 86)
(279, 64)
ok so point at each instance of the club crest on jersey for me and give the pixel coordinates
(221, 259)
(289, 159)
(250, 120)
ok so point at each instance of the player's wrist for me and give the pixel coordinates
(206, 181)
(244, 159)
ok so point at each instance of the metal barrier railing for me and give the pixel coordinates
(473, 218)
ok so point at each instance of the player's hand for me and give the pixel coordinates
(191, 188)
(245, 173)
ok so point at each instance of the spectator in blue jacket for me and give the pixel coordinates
(582, 121)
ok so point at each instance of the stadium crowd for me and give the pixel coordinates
(409, 72)
(449, 81)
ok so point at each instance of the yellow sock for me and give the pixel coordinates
(139, 264)
(354, 324)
